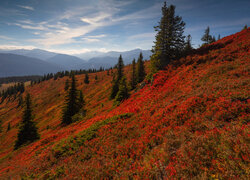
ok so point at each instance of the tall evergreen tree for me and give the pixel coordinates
(20, 101)
(188, 46)
(120, 66)
(66, 87)
(71, 103)
(213, 39)
(8, 128)
(81, 100)
(27, 131)
(140, 70)
(218, 37)
(115, 87)
(170, 40)
(123, 91)
(207, 38)
(86, 79)
(117, 78)
(133, 75)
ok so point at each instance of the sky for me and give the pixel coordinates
(78, 26)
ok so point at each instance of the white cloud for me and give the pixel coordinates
(27, 7)
(96, 18)
(89, 40)
(86, 19)
(98, 36)
(33, 27)
(12, 47)
(5, 38)
(143, 36)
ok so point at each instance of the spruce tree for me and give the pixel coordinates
(140, 70)
(133, 76)
(115, 87)
(120, 66)
(218, 37)
(8, 128)
(66, 87)
(170, 40)
(20, 101)
(81, 100)
(86, 79)
(213, 39)
(117, 78)
(122, 93)
(207, 38)
(71, 103)
(188, 46)
(27, 131)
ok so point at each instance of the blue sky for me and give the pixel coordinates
(77, 26)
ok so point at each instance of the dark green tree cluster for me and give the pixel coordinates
(86, 78)
(170, 40)
(188, 46)
(12, 90)
(18, 79)
(207, 38)
(74, 102)
(138, 72)
(133, 76)
(66, 87)
(119, 90)
(20, 101)
(27, 130)
(117, 77)
(122, 92)
(61, 74)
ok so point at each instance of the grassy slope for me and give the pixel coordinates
(192, 121)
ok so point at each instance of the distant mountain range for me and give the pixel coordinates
(18, 65)
(29, 60)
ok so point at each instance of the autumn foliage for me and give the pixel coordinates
(190, 122)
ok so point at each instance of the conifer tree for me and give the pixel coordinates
(20, 101)
(81, 100)
(8, 128)
(115, 87)
(123, 91)
(207, 38)
(188, 46)
(27, 131)
(133, 76)
(170, 40)
(66, 87)
(96, 77)
(86, 79)
(120, 66)
(213, 39)
(117, 78)
(140, 70)
(71, 103)
(218, 37)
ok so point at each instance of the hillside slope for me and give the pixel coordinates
(190, 122)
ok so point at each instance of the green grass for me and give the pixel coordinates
(72, 144)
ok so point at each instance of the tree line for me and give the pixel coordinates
(12, 90)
